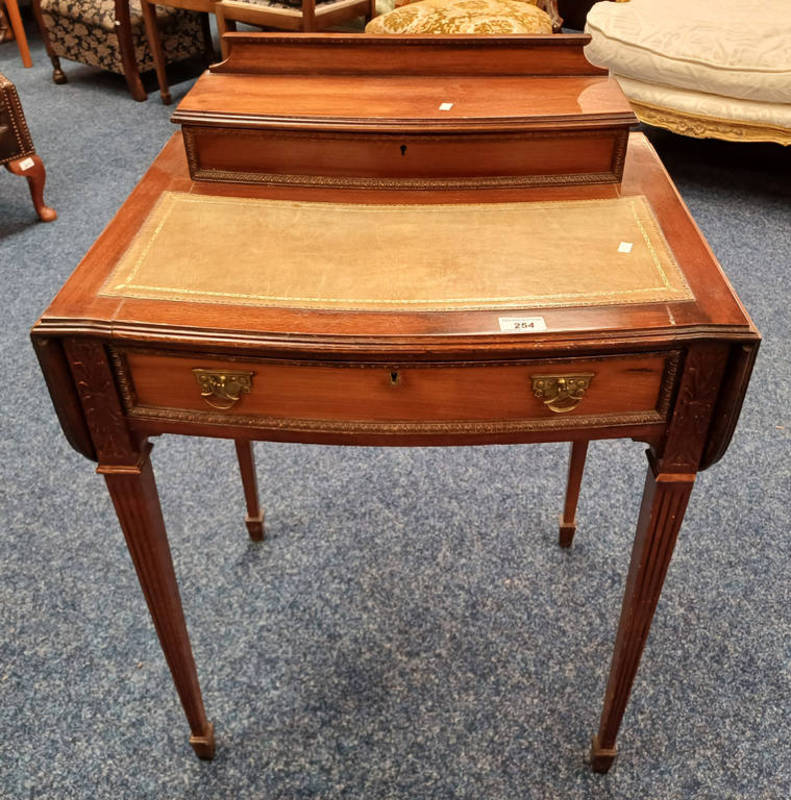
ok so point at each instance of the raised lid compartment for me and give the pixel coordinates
(450, 111)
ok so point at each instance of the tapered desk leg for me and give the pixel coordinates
(134, 495)
(568, 523)
(255, 517)
(664, 501)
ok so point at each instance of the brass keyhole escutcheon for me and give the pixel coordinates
(395, 377)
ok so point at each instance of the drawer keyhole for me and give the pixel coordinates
(394, 377)
(403, 149)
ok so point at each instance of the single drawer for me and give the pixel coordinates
(629, 389)
(405, 160)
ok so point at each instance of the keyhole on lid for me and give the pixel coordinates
(394, 377)
(403, 149)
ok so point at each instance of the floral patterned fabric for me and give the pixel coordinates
(488, 17)
(550, 6)
(84, 31)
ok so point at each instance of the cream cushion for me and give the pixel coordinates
(713, 107)
(733, 48)
(463, 16)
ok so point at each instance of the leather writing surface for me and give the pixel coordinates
(389, 257)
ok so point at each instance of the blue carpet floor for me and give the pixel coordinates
(410, 629)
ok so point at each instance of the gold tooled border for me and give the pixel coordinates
(128, 288)
(191, 133)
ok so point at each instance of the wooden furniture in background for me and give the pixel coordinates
(112, 36)
(574, 12)
(15, 20)
(307, 15)
(135, 345)
(17, 151)
(148, 9)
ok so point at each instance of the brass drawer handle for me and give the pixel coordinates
(561, 393)
(222, 389)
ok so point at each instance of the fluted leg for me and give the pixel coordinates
(568, 522)
(665, 500)
(255, 517)
(134, 495)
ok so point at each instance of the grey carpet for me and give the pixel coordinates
(410, 629)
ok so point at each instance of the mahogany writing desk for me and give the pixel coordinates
(301, 273)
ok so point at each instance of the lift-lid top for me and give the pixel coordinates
(406, 112)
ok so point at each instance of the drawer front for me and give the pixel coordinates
(633, 389)
(405, 161)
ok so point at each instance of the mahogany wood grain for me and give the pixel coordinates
(405, 159)
(673, 375)
(715, 311)
(359, 101)
(255, 516)
(408, 54)
(429, 391)
(519, 120)
(664, 501)
(568, 519)
(134, 495)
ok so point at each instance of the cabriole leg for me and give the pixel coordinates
(32, 168)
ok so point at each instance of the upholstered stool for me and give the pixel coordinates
(111, 35)
(712, 68)
(463, 16)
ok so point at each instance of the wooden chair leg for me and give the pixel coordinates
(255, 517)
(309, 24)
(58, 76)
(568, 521)
(123, 31)
(155, 44)
(665, 500)
(208, 45)
(32, 168)
(223, 26)
(12, 9)
(6, 34)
